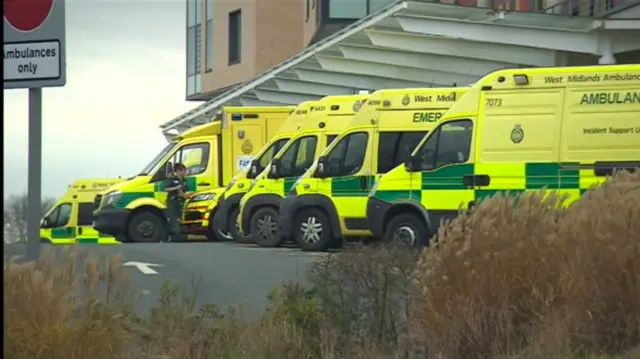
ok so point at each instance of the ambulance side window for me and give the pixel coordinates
(449, 144)
(268, 155)
(299, 156)
(85, 214)
(348, 155)
(195, 157)
(330, 139)
(60, 216)
(393, 147)
(305, 156)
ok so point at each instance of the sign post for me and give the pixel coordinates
(34, 57)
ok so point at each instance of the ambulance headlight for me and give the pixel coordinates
(231, 183)
(202, 197)
(295, 185)
(374, 188)
(112, 197)
(253, 183)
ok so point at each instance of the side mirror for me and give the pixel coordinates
(254, 169)
(322, 171)
(411, 162)
(44, 223)
(274, 171)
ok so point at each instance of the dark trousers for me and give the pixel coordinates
(174, 213)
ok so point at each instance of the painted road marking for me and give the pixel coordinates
(143, 267)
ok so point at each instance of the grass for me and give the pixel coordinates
(524, 278)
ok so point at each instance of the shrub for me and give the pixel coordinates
(524, 277)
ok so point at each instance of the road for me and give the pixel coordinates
(226, 273)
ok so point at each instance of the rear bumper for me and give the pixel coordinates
(376, 211)
(111, 221)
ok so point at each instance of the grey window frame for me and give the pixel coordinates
(235, 37)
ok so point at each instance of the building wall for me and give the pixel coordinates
(271, 31)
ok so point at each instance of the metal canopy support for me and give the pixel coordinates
(461, 48)
(437, 78)
(354, 80)
(288, 98)
(450, 64)
(312, 88)
(543, 38)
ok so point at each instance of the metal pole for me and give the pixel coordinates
(34, 190)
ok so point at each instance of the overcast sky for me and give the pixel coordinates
(125, 77)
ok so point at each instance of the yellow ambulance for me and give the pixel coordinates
(516, 130)
(214, 213)
(71, 219)
(330, 201)
(259, 206)
(134, 210)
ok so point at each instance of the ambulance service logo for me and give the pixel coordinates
(247, 147)
(517, 134)
(406, 99)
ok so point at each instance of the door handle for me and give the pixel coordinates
(364, 182)
(204, 184)
(80, 230)
(476, 180)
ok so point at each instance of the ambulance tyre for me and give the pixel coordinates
(122, 238)
(312, 230)
(147, 227)
(213, 234)
(235, 227)
(264, 227)
(407, 229)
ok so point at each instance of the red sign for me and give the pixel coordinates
(27, 15)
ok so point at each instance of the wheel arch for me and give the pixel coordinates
(407, 207)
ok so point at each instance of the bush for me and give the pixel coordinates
(524, 277)
(518, 277)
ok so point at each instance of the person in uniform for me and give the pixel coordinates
(176, 194)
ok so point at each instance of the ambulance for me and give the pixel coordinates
(563, 129)
(214, 213)
(260, 205)
(135, 210)
(329, 202)
(71, 219)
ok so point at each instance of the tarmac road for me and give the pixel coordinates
(225, 273)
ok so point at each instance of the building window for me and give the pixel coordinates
(194, 46)
(235, 37)
(208, 37)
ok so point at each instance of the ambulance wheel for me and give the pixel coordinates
(213, 234)
(122, 238)
(407, 229)
(236, 234)
(147, 227)
(312, 230)
(264, 227)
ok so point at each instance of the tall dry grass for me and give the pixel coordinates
(513, 278)
(523, 277)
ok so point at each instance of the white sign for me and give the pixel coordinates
(243, 162)
(32, 61)
(143, 267)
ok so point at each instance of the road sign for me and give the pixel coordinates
(34, 43)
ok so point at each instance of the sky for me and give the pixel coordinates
(125, 77)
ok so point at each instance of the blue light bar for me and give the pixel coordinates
(236, 117)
